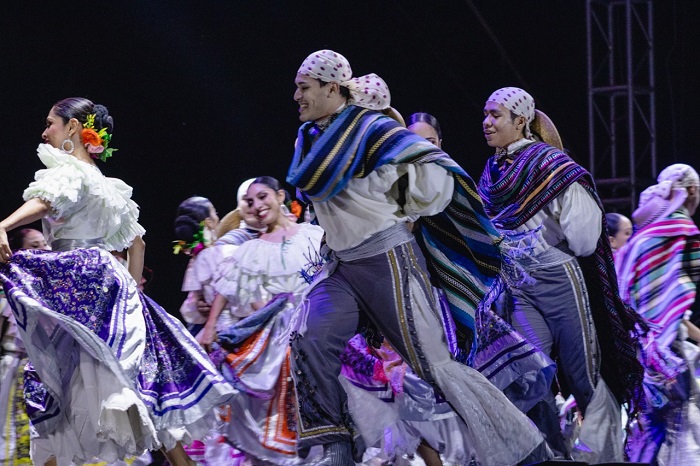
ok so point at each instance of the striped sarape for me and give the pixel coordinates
(538, 174)
(460, 243)
(657, 271)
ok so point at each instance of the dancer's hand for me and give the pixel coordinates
(5, 251)
(206, 337)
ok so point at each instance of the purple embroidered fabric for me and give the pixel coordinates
(51, 291)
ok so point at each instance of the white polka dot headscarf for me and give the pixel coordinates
(369, 91)
(517, 101)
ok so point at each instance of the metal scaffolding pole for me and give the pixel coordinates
(621, 107)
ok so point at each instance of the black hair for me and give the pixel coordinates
(268, 181)
(17, 239)
(344, 91)
(427, 118)
(79, 108)
(613, 221)
(190, 213)
(514, 115)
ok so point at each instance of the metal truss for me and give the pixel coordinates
(621, 108)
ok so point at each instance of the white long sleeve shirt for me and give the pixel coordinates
(370, 205)
(573, 216)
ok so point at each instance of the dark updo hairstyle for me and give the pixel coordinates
(427, 118)
(613, 221)
(79, 108)
(274, 185)
(190, 213)
(268, 181)
(17, 239)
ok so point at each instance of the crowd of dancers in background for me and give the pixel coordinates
(395, 308)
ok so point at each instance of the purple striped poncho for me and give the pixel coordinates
(539, 173)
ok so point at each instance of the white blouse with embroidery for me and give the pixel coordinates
(85, 204)
(259, 269)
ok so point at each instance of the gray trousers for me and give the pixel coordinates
(553, 313)
(393, 290)
(377, 286)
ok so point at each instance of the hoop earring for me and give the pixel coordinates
(63, 146)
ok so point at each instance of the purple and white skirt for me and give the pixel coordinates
(115, 373)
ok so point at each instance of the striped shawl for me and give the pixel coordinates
(538, 174)
(460, 242)
(658, 270)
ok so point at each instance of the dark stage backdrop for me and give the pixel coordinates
(201, 91)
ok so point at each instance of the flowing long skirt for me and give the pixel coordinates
(115, 373)
(256, 362)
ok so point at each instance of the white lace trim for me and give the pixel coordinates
(259, 267)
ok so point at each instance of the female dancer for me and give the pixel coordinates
(116, 374)
(427, 126)
(14, 423)
(195, 224)
(619, 230)
(265, 276)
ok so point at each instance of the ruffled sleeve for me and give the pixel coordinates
(128, 211)
(239, 284)
(259, 270)
(61, 183)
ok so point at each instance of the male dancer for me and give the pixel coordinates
(367, 176)
(560, 275)
(658, 271)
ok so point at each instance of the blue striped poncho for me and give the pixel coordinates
(460, 242)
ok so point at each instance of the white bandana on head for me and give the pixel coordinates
(661, 200)
(680, 174)
(369, 91)
(517, 101)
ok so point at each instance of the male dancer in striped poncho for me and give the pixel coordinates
(560, 276)
(658, 272)
(367, 177)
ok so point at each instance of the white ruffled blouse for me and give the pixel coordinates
(85, 204)
(260, 269)
(201, 274)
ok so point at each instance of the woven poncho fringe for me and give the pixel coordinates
(460, 242)
(538, 175)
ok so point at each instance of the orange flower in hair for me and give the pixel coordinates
(96, 142)
(90, 136)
